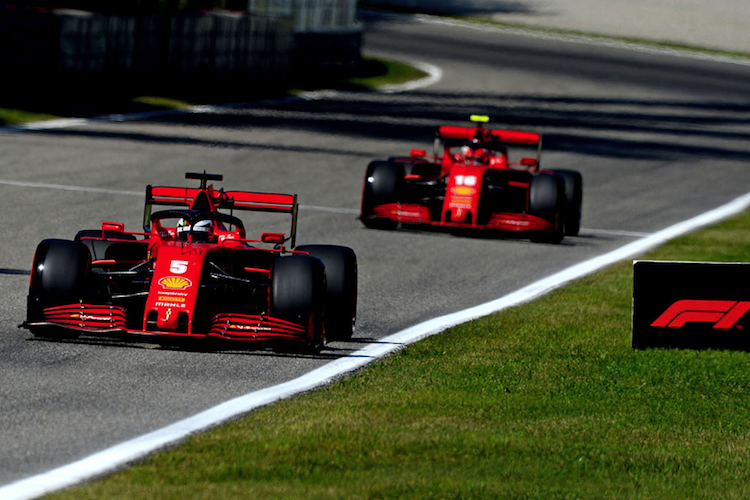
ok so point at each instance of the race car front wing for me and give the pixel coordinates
(112, 319)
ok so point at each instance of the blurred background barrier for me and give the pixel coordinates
(311, 15)
(272, 39)
(326, 32)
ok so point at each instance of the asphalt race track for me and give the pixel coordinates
(658, 138)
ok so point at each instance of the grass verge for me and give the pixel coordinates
(26, 104)
(545, 400)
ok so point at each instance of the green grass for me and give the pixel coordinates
(546, 400)
(370, 74)
(10, 116)
(161, 102)
(375, 73)
(22, 105)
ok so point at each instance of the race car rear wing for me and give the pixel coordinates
(506, 136)
(453, 136)
(206, 198)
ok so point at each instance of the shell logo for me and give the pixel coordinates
(175, 283)
(463, 191)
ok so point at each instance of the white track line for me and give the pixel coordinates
(122, 454)
(434, 75)
(84, 189)
(64, 187)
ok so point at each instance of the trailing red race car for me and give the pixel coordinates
(193, 273)
(473, 185)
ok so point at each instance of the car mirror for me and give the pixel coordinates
(275, 238)
(117, 227)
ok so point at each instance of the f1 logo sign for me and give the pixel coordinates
(724, 314)
(693, 305)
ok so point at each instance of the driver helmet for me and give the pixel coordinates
(202, 230)
(466, 152)
(483, 156)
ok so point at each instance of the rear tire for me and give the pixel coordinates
(383, 184)
(573, 200)
(58, 277)
(341, 289)
(298, 295)
(546, 200)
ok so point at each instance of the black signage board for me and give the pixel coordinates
(693, 305)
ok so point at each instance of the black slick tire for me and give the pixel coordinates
(298, 295)
(58, 276)
(341, 288)
(573, 200)
(547, 200)
(383, 184)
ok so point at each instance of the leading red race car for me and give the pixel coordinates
(474, 185)
(193, 273)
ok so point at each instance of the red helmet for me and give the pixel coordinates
(482, 156)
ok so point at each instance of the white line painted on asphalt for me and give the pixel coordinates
(122, 454)
(434, 75)
(63, 187)
(84, 189)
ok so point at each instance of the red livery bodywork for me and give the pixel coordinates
(193, 273)
(470, 183)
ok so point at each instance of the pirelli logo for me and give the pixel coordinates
(178, 300)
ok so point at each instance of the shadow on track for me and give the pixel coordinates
(208, 348)
(15, 272)
(677, 130)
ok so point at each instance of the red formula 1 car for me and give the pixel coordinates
(473, 185)
(193, 273)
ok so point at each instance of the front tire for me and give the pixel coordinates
(298, 295)
(59, 276)
(383, 184)
(341, 289)
(546, 200)
(573, 200)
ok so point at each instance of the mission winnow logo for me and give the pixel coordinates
(690, 304)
